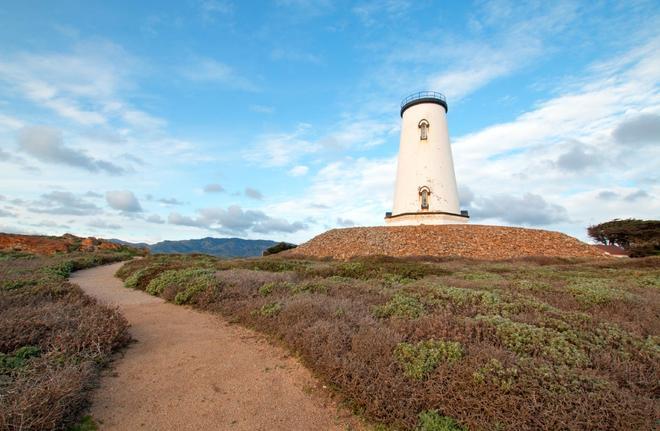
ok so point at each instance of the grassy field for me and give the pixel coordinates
(451, 344)
(53, 339)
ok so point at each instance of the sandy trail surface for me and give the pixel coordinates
(190, 370)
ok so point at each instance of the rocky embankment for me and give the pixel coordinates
(473, 241)
(53, 244)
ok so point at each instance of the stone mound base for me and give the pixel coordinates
(472, 241)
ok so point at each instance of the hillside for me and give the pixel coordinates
(41, 244)
(221, 247)
(473, 241)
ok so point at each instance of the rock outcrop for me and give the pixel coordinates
(53, 244)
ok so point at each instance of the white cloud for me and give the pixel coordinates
(77, 85)
(123, 200)
(63, 203)
(46, 145)
(155, 218)
(235, 220)
(281, 149)
(262, 109)
(208, 70)
(9, 122)
(298, 171)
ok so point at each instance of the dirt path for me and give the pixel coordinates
(192, 370)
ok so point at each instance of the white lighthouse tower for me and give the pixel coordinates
(425, 190)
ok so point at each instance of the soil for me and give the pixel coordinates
(190, 370)
(472, 241)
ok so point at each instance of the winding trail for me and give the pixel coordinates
(190, 370)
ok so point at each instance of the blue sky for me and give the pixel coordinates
(170, 120)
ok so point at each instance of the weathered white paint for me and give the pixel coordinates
(425, 163)
(424, 218)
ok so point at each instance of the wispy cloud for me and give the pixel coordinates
(234, 219)
(211, 71)
(288, 54)
(46, 145)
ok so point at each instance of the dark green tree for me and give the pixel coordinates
(280, 246)
(638, 237)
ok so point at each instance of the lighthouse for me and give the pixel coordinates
(425, 191)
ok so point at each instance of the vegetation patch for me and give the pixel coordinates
(187, 281)
(495, 335)
(496, 374)
(526, 339)
(401, 305)
(589, 291)
(18, 358)
(419, 360)
(53, 338)
(431, 420)
(270, 310)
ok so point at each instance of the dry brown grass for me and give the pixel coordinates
(69, 336)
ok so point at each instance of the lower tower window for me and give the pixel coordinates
(424, 193)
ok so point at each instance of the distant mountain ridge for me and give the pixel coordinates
(221, 247)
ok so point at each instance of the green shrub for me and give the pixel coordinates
(62, 269)
(270, 310)
(311, 286)
(531, 284)
(87, 423)
(487, 302)
(590, 291)
(18, 358)
(352, 270)
(16, 284)
(431, 420)
(132, 280)
(480, 276)
(267, 288)
(496, 374)
(401, 305)
(526, 339)
(180, 278)
(392, 279)
(419, 360)
(192, 280)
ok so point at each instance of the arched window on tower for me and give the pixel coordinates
(423, 130)
(424, 193)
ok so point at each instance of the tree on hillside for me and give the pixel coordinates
(280, 246)
(638, 237)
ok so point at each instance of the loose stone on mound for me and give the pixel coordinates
(474, 241)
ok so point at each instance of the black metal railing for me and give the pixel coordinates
(424, 95)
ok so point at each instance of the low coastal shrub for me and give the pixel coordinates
(454, 344)
(53, 339)
(419, 360)
(401, 305)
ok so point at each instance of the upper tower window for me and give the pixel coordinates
(423, 130)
